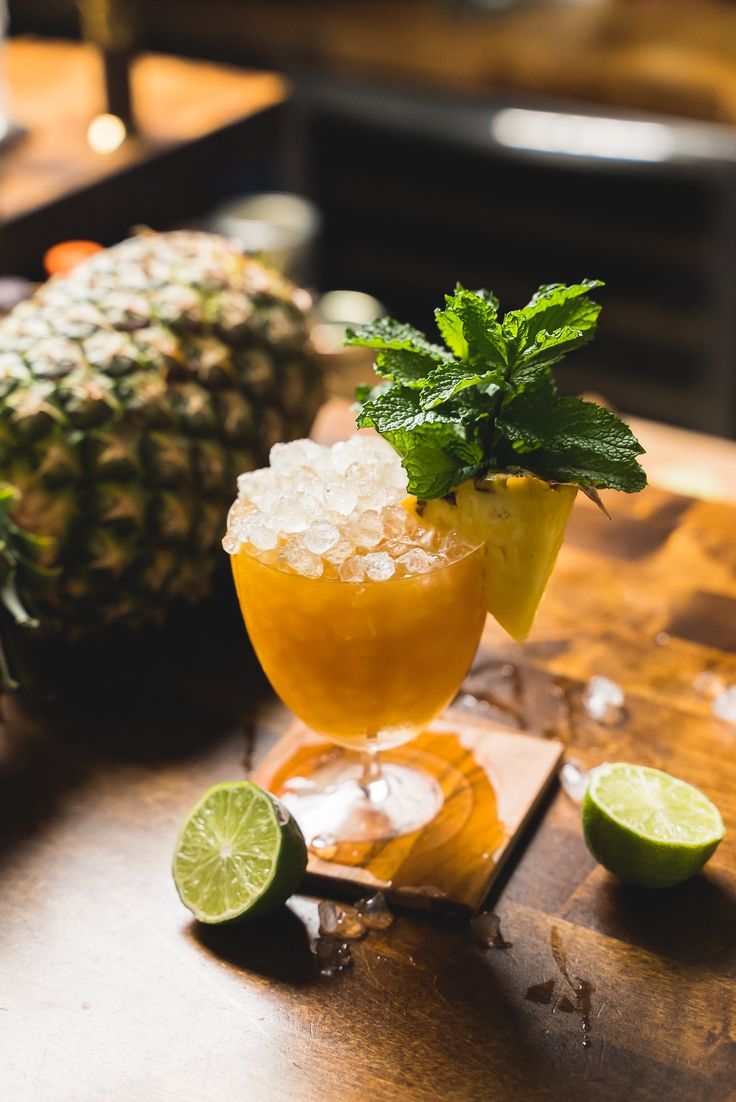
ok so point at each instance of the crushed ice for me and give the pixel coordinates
(709, 684)
(604, 701)
(340, 924)
(724, 705)
(333, 955)
(344, 922)
(574, 780)
(374, 912)
(335, 512)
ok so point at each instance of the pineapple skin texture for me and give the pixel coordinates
(133, 391)
(522, 520)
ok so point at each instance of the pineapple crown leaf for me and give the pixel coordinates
(488, 399)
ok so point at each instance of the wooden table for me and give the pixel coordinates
(196, 121)
(109, 991)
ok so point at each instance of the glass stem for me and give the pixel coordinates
(370, 774)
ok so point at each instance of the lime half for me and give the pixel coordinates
(648, 827)
(240, 854)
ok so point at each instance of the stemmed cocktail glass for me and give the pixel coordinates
(364, 620)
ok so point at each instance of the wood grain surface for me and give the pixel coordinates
(492, 782)
(109, 992)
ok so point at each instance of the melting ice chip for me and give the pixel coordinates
(604, 701)
(724, 705)
(336, 921)
(332, 955)
(374, 912)
(574, 781)
(708, 683)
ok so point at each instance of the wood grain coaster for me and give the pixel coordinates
(492, 781)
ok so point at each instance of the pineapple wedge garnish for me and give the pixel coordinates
(521, 520)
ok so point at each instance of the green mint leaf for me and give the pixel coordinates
(491, 401)
(446, 382)
(515, 335)
(555, 306)
(400, 408)
(403, 365)
(487, 296)
(436, 458)
(385, 333)
(550, 348)
(395, 408)
(403, 353)
(569, 440)
(469, 327)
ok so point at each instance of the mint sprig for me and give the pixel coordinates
(487, 399)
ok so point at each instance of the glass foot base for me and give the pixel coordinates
(348, 801)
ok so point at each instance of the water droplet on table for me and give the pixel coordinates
(485, 929)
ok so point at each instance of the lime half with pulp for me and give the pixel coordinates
(240, 854)
(648, 827)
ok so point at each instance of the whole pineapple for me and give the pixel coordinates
(132, 392)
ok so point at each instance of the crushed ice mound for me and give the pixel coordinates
(335, 513)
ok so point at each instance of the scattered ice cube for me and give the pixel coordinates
(724, 705)
(324, 846)
(709, 684)
(604, 701)
(333, 956)
(338, 921)
(320, 537)
(574, 780)
(379, 566)
(374, 912)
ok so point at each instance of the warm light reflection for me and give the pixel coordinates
(106, 133)
(582, 135)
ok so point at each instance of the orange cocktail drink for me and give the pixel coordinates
(364, 619)
(366, 664)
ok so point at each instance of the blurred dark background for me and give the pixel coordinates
(497, 143)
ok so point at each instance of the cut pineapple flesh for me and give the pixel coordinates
(521, 520)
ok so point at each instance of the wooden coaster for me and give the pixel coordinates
(492, 780)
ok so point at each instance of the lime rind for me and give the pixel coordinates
(235, 856)
(652, 793)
